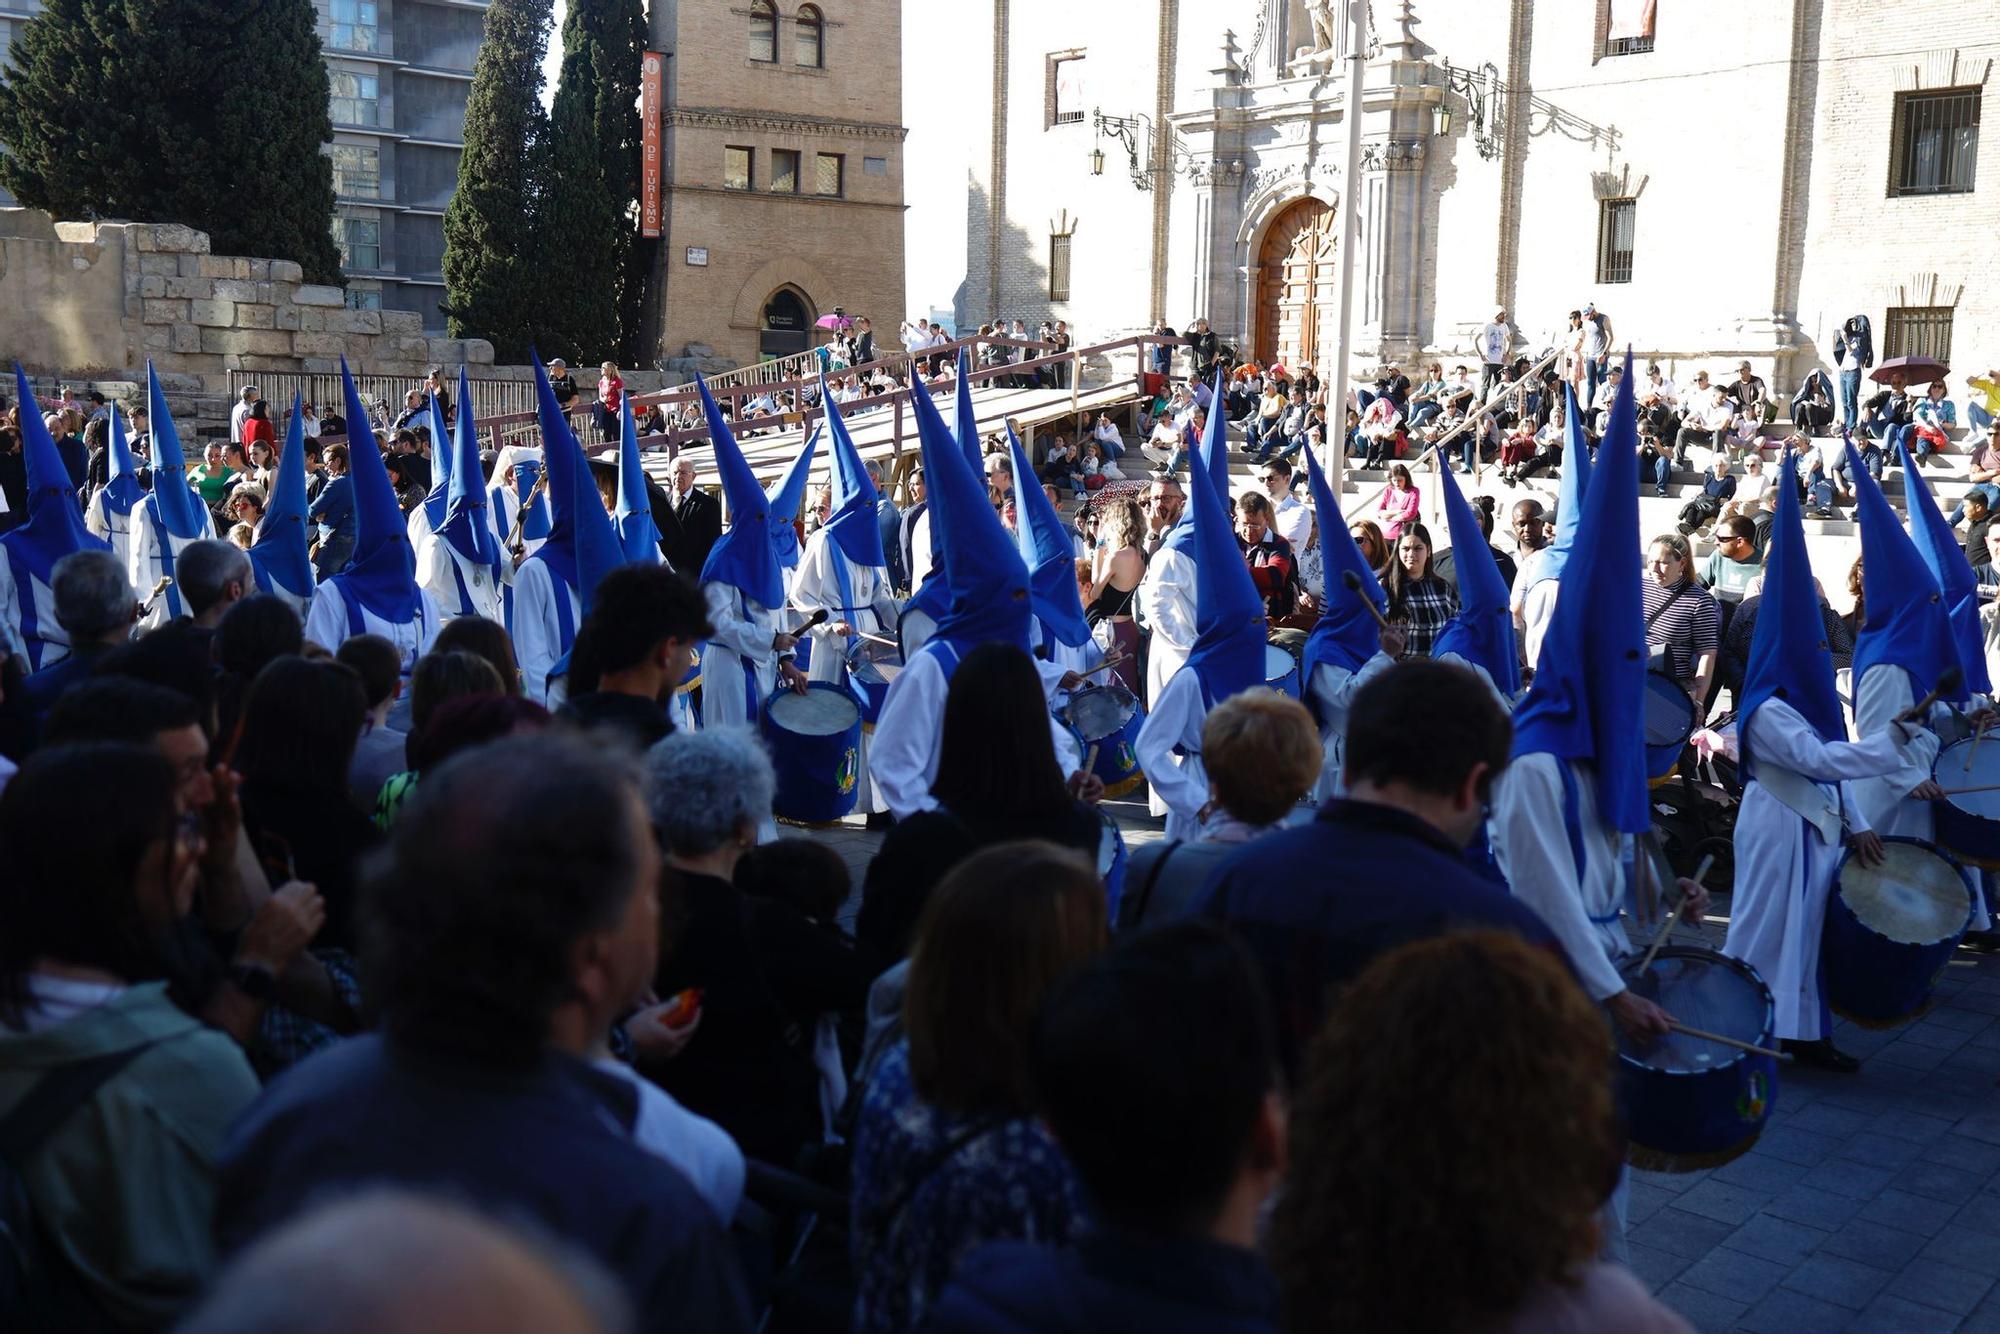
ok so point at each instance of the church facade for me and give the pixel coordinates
(1724, 181)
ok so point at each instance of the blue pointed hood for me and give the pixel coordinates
(1046, 549)
(1228, 652)
(1483, 631)
(965, 417)
(1569, 495)
(984, 579)
(745, 557)
(54, 527)
(638, 535)
(1214, 448)
(787, 495)
(580, 532)
(382, 576)
(1584, 702)
(438, 499)
(1345, 635)
(1789, 657)
(852, 525)
(122, 491)
(281, 553)
(180, 511)
(466, 526)
(1907, 623)
(1938, 545)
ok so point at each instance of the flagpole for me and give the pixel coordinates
(1350, 226)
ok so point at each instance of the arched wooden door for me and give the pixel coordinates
(1298, 284)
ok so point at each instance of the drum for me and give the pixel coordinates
(1669, 724)
(1111, 861)
(1281, 670)
(815, 741)
(1109, 717)
(1691, 1103)
(1890, 930)
(1968, 823)
(912, 630)
(872, 688)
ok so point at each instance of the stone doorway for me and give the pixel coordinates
(787, 324)
(1298, 285)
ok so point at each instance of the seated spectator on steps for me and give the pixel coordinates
(1933, 417)
(1157, 1053)
(1717, 490)
(1733, 566)
(1480, 1038)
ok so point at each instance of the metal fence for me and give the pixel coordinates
(490, 398)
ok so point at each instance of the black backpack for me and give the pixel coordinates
(38, 1287)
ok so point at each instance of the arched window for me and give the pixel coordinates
(764, 31)
(809, 49)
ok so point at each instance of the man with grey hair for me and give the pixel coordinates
(95, 607)
(251, 393)
(213, 577)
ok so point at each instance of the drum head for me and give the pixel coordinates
(1915, 897)
(1102, 711)
(1669, 711)
(1950, 772)
(1706, 990)
(815, 713)
(1278, 662)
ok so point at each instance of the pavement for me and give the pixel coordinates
(1870, 1203)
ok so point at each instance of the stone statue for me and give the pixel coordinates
(1325, 29)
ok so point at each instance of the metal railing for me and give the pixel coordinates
(490, 398)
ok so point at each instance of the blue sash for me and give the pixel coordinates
(357, 625)
(166, 546)
(24, 598)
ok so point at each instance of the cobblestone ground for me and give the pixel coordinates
(1871, 1202)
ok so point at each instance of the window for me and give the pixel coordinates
(1918, 331)
(356, 97)
(352, 25)
(809, 41)
(785, 170)
(829, 173)
(874, 166)
(1936, 142)
(1627, 26)
(357, 171)
(364, 298)
(1058, 268)
(736, 169)
(1063, 96)
(360, 241)
(1617, 222)
(764, 31)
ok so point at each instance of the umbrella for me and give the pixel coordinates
(833, 322)
(1914, 370)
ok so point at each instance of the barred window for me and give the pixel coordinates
(829, 173)
(1059, 268)
(1627, 26)
(785, 170)
(1918, 331)
(764, 31)
(1063, 95)
(1617, 225)
(735, 168)
(1936, 142)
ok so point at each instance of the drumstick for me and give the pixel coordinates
(147, 610)
(1737, 1043)
(1104, 666)
(1978, 734)
(1946, 683)
(1962, 791)
(1353, 582)
(1090, 758)
(1673, 916)
(875, 639)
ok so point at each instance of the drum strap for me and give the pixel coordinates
(1573, 818)
(1807, 799)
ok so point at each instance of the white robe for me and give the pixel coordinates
(920, 550)
(146, 565)
(537, 631)
(102, 518)
(1332, 690)
(506, 511)
(1784, 868)
(1176, 781)
(744, 630)
(326, 625)
(1165, 604)
(1531, 842)
(1885, 802)
(815, 586)
(436, 559)
(51, 640)
(909, 737)
(1537, 609)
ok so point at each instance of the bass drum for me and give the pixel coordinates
(1691, 1103)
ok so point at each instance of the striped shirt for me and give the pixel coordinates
(1687, 627)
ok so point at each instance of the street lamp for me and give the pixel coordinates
(1441, 120)
(1096, 161)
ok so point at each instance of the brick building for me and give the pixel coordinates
(782, 141)
(1724, 180)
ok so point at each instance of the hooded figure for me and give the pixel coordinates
(743, 583)
(28, 554)
(1938, 545)
(1576, 788)
(1789, 829)
(1047, 550)
(377, 593)
(930, 597)
(504, 499)
(1536, 583)
(549, 585)
(1481, 635)
(1166, 599)
(988, 601)
(458, 561)
(1226, 659)
(427, 515)
(1344, 651)
(638, 535)
(113, 506)
(170, 518)
(282, 554)
(786, 496)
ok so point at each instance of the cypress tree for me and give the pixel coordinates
(140, 109)
(591, 173)
(493, 288)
